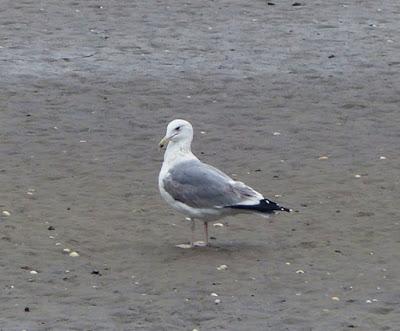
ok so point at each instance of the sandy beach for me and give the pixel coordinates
(299, 101)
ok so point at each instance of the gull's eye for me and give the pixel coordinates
(177, 128)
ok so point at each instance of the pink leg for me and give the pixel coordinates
(192, 227)
(206, 231)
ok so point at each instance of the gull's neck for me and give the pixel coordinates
(178, 151)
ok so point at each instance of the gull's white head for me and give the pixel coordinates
(178, 131)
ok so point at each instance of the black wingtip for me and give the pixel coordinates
(265, 206)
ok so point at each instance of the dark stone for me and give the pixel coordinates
(51, 228)
(27, 309)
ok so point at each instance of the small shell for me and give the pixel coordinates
(219, 225)
(74, 254)
(357, 176)
(214, 294)
(299, 271)
(33, 272)
(382, 157)
(66, 250)
(217, 301)
(222, 267)
(335, 299)
(6, 213)
(324, 157)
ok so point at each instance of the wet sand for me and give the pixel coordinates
(86, 90)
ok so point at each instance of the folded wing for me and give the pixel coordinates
(199, 185)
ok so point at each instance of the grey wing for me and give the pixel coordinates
(199, 185)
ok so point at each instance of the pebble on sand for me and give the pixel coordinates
(335, 299)
(217, 301)
(382, 157)
(66, 250)
(214, 294)
(219, 225)
(33, 272)
(6, 213)
(357, 176)
(222, 267)
(324, 157)
(299, 271)
(74, 254)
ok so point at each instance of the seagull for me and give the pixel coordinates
(201, 191)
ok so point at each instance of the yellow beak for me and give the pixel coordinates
(163, 142)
